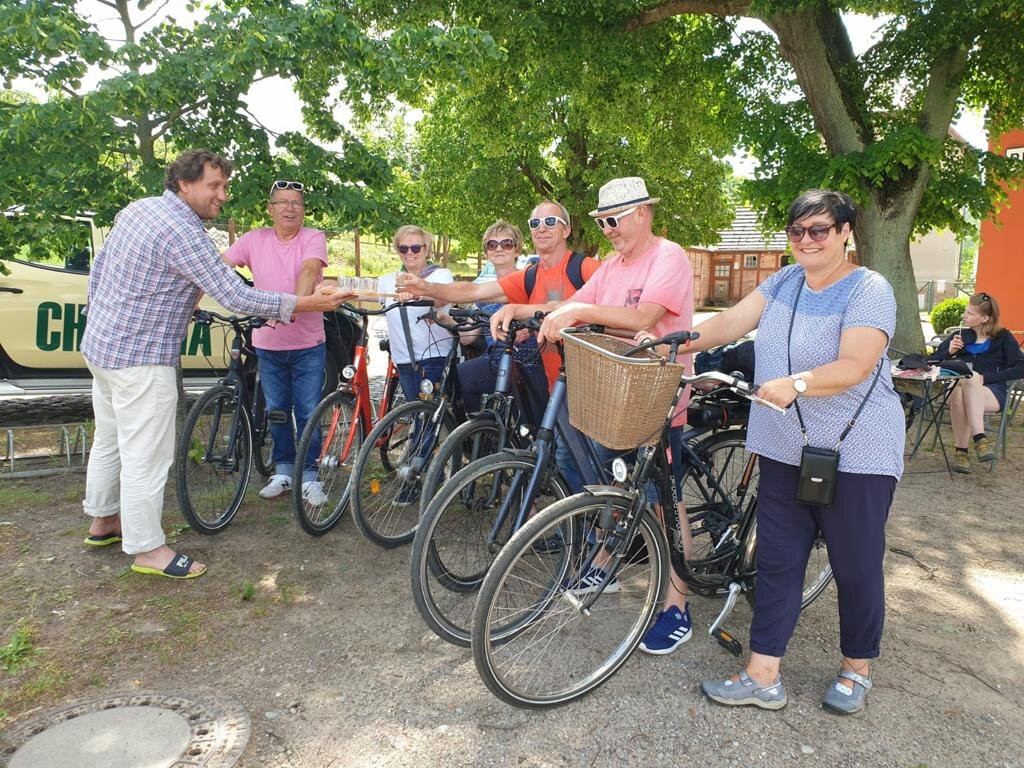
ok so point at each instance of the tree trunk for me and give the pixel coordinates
(883, 244)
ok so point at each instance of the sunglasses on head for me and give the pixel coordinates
(611, 222)
(404, 249)
(282, 184)
(547, 221)
(984, 296)
(507, 244)
(818, 232)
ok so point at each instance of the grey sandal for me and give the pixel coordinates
(842, 700)
(745, 691)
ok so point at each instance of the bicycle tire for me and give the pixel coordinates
(209, 509)
(818, 574)
(708, 511)
(385, 495)
(452, 550)
(341, 435)
(263, 441)
(532, 646)
(468, 442)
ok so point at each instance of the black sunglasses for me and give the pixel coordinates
(404, 249)
(507, 243)
(282, 184)
(818, 232)
(984, 296)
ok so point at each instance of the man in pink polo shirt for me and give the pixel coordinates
(288, 257)
(646, 286)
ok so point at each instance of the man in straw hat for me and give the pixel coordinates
(645, 286)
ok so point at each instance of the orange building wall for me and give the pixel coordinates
(1001, 253)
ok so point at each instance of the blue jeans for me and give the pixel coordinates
(293, 381)
(411, 374)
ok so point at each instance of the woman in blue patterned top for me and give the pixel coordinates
(996, 359)
(823, 326)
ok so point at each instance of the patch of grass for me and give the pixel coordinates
(116, 635)
(284, 592)
(63, 594)
(279, 519)
(20, 651)
(18, 495)
(246, 591)
(51, 680)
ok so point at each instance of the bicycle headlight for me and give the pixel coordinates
(619, 470)
(348, 372)
(426, 387)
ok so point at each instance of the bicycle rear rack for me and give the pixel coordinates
(68, 454)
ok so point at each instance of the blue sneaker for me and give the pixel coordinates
(671, 629)
(550, 545)
(591, 580)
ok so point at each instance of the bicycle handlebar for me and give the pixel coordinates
(389, 307)
(735, 384)
(206, 317)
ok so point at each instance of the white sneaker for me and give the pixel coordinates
(313, 493)
(278, 484)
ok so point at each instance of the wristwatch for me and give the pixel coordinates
(799, 384)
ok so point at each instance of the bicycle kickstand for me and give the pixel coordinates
(723, 638)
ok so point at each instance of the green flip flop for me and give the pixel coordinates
(102, 541)
(179, 568)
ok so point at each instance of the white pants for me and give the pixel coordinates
(132, 450)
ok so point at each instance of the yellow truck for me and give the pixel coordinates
(41, 323)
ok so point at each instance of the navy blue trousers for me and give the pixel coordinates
(854, 532)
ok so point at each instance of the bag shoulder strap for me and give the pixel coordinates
(789, 368)
(573, 271)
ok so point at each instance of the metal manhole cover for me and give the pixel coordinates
(135, 729)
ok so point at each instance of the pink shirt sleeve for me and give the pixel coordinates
(670, 279)
(240, 254)
(315, 246)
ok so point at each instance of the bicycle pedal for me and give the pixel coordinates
(727, 641)
(277, 417)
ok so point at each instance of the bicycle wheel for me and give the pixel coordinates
(263, 442)
(818, 574)
(211, 470)
(711, 512)
(468, 442)
(341, 436)
(386, 476)
(455, 541)
(532, 644)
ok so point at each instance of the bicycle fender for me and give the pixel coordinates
(606, 490)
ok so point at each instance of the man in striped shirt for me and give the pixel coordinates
(155, 265)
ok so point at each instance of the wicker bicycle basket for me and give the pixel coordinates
(621, 402)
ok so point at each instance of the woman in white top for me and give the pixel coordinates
(418, 348)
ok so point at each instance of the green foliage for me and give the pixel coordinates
(169, 86)
(575, 100)
(948, 313)
(19, 652)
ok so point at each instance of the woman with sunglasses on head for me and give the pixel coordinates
(996, 359)
(418, 348)
(823, 325)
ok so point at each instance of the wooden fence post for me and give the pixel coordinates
(356, 242)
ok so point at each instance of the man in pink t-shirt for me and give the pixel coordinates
(288, 257)
(646, 285)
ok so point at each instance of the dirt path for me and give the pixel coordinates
(320, 641)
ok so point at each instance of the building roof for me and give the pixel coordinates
(745, 235)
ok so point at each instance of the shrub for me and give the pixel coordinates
(948, 313)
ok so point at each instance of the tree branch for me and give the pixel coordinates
(108, 3)
(149, 18)
(539, 183)
(677, 7)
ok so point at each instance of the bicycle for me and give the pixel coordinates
(477, 510)
(388, 471)
(497, 425)
(341, 422)
(225, 427)
(539, 639)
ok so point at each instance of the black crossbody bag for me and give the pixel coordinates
(819, 467)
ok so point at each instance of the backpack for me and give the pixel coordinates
(573, 270)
